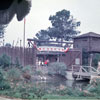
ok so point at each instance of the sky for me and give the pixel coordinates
(85, 11)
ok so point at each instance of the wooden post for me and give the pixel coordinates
(24, 43)
(91, 56)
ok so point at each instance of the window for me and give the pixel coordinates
(77, 61)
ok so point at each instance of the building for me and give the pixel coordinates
(89, 42)
(56, 52)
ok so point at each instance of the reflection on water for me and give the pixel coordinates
(55, 83)
(79, 84)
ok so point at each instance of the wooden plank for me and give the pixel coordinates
(84, 74)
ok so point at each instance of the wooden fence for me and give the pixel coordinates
(25, 56)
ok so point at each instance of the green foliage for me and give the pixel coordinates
(68, 92)
(62, 92)
(25, 95)
(63, 25)
(26, 92)
(27, 73)
(5, 61)
(96, 59)
(38, 72)
(39, 92)
(21, 89)
(94, 87)
(13, 74)
(3, 83)
(1, 76)
(43, 35)
(57, 68)
(27, 69)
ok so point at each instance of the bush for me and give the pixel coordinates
(96, 59)
(38, 72)
(4, 85)
(13, 74)
(39, 92)
(5, 61)
(57, 68)
(3, 82)
(94, 87)
(3, 73)
(67, 91)
(27, 69)
(1, 76)
(27, 73)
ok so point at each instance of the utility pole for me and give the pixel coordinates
(24, 42)
(24, 34)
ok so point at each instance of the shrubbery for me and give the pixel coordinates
(94, 87)
(96, 59)
(13, 82)
(57, 68)
(4, 84)
(5, 61)
(24, 90)
(13, 74)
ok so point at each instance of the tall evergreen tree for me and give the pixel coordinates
(43, 35)
(63, 25)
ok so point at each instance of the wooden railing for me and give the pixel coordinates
(84, 71)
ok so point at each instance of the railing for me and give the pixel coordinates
(78, 68)
(84, 71)
(90, 69)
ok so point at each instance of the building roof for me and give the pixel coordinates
(89, 34)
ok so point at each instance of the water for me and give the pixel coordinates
(57, 82)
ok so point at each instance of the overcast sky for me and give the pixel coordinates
(85, 11)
